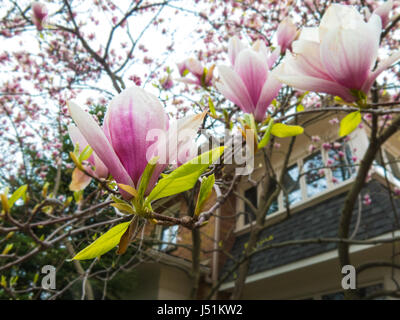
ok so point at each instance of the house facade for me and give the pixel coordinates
(322, 168)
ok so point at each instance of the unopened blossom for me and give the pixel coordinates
(199, 74)
(123, 144)
(39, 14)
(326, 146)
(367, 200)
(248, 82)
(287, 32)
(166, 82)
(338, 57)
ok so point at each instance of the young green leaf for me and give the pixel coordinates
(349, 123)
(85, 154)
(123, 207)
(129, 189)
(184, 177)
(104, 243)
(265, 139)
(282, 130)
(204, 193)
(212, 107)
(146, 176)
(8, 248)
(17, 194)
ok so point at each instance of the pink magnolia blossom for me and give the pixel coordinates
(39, 14)
(123, 144)
(337, 57)
(201, 76)
(367, 200)
(248, 83)
(287, 32)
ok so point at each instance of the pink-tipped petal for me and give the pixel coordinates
(304, 82)
(382, 66)
(383, 12)
(233, 88)
(349, 55)
(234, 47)
(99, 143)
(273, 57)
(253, 71)
(286, 34)
(269, 92)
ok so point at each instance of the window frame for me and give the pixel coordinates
(330, 186)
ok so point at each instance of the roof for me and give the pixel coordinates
(318, 221)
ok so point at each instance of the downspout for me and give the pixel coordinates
(217, 227)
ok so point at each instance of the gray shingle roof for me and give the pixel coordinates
(321, 220)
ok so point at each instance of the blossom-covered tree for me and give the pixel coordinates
(260, 70)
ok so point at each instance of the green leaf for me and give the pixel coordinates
(212, 107)
(204, 193)
(283, 130)
(17, 194)
(349, 123)
(129, 189)
(184, 177)
(36, 278)
(8, 248)
(103, 244)
(300, 108)
(123, 207)
(265, 139)
(146, 175)
(85, 154)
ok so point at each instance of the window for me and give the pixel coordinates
(273, 208)
(390, 161)
(342, 166)
(310, 176)
(394, 165)
(314, 180)
(291, 184)
(168, 234)
(251, 195)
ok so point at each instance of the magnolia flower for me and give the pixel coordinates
(338, 57)
(123, 143)
(39, 14)
(286, 34)
(202, 76)
(248, 83)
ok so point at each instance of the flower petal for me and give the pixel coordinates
(234, 47)
(79, 180)
(253, 70)
(382, 66)
(99, 143)
(233, 88)
(269, 92)
(348, 55)
(305, 82)
(76, 136)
